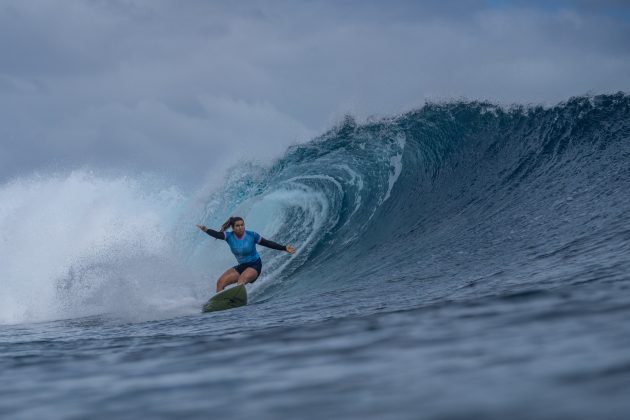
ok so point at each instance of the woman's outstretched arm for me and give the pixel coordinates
(214, 233)
(274, 245)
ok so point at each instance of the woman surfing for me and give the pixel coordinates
(243, 245)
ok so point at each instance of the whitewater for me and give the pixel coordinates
(462, 260)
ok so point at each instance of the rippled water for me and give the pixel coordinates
(550, 354)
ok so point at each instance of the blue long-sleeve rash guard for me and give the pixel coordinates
(244, 248)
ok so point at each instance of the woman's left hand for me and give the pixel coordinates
(290, 249)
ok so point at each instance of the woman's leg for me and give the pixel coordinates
(227, 278)
(248, 275)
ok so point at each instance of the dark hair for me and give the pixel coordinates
(230, 223)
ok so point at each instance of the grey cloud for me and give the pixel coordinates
(186, 88)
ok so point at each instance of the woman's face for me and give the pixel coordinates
(239, 227)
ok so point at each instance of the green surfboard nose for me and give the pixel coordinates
(227, 299)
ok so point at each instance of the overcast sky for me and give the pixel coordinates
(184, 88)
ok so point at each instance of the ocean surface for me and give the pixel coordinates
(463, 260)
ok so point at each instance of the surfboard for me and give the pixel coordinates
(227, 299)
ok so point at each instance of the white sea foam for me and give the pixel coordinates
(79, 244)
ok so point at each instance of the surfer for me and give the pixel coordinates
(243, 245)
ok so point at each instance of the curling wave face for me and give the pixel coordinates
(452, 199)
